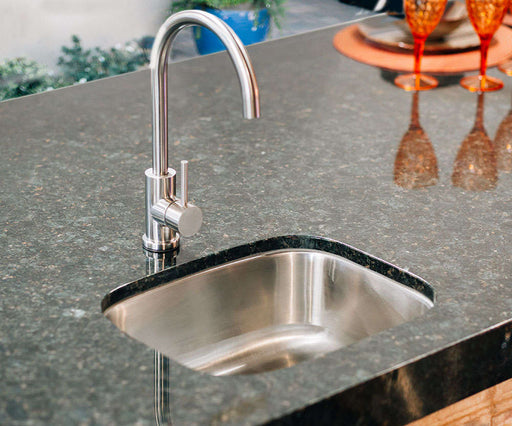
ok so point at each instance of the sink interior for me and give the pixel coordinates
(266, 305)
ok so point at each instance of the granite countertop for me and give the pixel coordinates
(318, 162)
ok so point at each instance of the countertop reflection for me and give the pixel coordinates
(415, 162)
(478, 160)
(475, 167)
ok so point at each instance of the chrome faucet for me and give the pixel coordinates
(167, 216)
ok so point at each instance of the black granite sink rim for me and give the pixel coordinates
(327, 245)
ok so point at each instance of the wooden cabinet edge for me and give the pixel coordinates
(493, 406)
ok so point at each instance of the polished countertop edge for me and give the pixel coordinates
(447, 376)
(212, 260)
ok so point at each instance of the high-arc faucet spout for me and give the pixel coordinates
(158, 65)
(166, 215)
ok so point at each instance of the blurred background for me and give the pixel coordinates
(47, 44)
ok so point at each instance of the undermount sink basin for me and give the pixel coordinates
(266, 305)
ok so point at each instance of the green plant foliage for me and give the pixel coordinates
(79, 65)
(21, 77)
(275, 7)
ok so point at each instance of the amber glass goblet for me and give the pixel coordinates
(422, 17)
(506, 67)
(486, 17)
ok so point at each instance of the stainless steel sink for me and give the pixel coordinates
(266, 305)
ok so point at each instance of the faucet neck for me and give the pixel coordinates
(158, 66)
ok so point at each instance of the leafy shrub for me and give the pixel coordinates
(21, 76)
(79, 65)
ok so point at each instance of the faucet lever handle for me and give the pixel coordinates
(184, 183)
(179, 214)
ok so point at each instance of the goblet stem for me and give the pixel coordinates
(482, 82)
(419, 48)
(484, 50)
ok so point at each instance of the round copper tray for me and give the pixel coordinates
(351, 43)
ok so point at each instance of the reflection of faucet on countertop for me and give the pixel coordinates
(162, 405)
(167, 216)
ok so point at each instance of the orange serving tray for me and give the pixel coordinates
(351, 43)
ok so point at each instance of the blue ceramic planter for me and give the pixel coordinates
(251, 26)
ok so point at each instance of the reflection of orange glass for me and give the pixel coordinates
(415, 161)
(475, 165)
(486, 17)
(422, 17)
(503, 144)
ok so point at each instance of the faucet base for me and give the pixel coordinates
(170, 244)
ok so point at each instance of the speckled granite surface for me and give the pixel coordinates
(319, 162)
